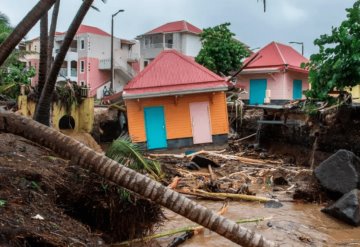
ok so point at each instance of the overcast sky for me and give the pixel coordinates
(284, 20)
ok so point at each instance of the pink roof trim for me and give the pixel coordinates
(176, 26)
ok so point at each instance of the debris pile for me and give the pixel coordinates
(221, 175)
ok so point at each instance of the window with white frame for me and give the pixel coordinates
(82, 66)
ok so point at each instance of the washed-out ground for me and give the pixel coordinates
(47, 201)
(299, 222)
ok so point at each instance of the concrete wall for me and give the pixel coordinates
(83, 114)
(355, 92)
(191, 44)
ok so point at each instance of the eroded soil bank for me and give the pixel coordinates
(47, 201)
(315, 137)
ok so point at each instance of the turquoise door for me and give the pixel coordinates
(297, 89)
(257, 91)
(155, 127)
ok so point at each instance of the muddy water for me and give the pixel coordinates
(295, 224)
(84, 138)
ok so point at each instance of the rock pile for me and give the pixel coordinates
(340, 176)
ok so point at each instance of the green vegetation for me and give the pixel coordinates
(5, 28)
(68, 95)
(129, 154)
(337, 65)
(221, 52)
(12, 73)
(2, 203)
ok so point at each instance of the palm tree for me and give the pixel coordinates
(23, 28)
(52, 31)
(43, 51)
(5, 28)
(42, 112)
(128, 178)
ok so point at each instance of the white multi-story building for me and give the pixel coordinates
(179, 35)
(88, 59)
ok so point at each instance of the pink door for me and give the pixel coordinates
(200, 121)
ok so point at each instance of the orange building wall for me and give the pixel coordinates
(177, 115)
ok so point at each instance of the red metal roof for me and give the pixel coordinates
(172, 71)
(91, 29)
(176, 26)
(276, 54)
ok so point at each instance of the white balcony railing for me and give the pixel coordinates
(133, 56)
(71, 49)
(118, 64)
(159, 45)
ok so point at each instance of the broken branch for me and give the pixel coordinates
(223, 196)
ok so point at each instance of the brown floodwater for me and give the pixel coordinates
(295, 224)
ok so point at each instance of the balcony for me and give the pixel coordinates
(159, 45)
(105, 64)
(151, 50)
(133, 56)
(71, 49)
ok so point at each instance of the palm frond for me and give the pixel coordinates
(128, 153)
(6, 87)
(4, 20)
(95, 8)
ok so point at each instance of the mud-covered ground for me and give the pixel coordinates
(47, 201)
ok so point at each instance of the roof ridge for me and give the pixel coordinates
(280, 53)
(204, 69)
(186, 26)
(141, 74)
(211, 76)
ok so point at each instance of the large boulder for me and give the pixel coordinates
(339, 173)
(346, 208)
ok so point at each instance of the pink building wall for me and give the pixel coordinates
(280, 83)
(92, 75)
(291, 76)
(34, 63)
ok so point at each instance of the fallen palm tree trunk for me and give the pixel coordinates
(224, 196)
(127, 178)
(195, 231)
(181, 230)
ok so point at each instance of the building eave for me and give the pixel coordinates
(261, 71)
(173, 93)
